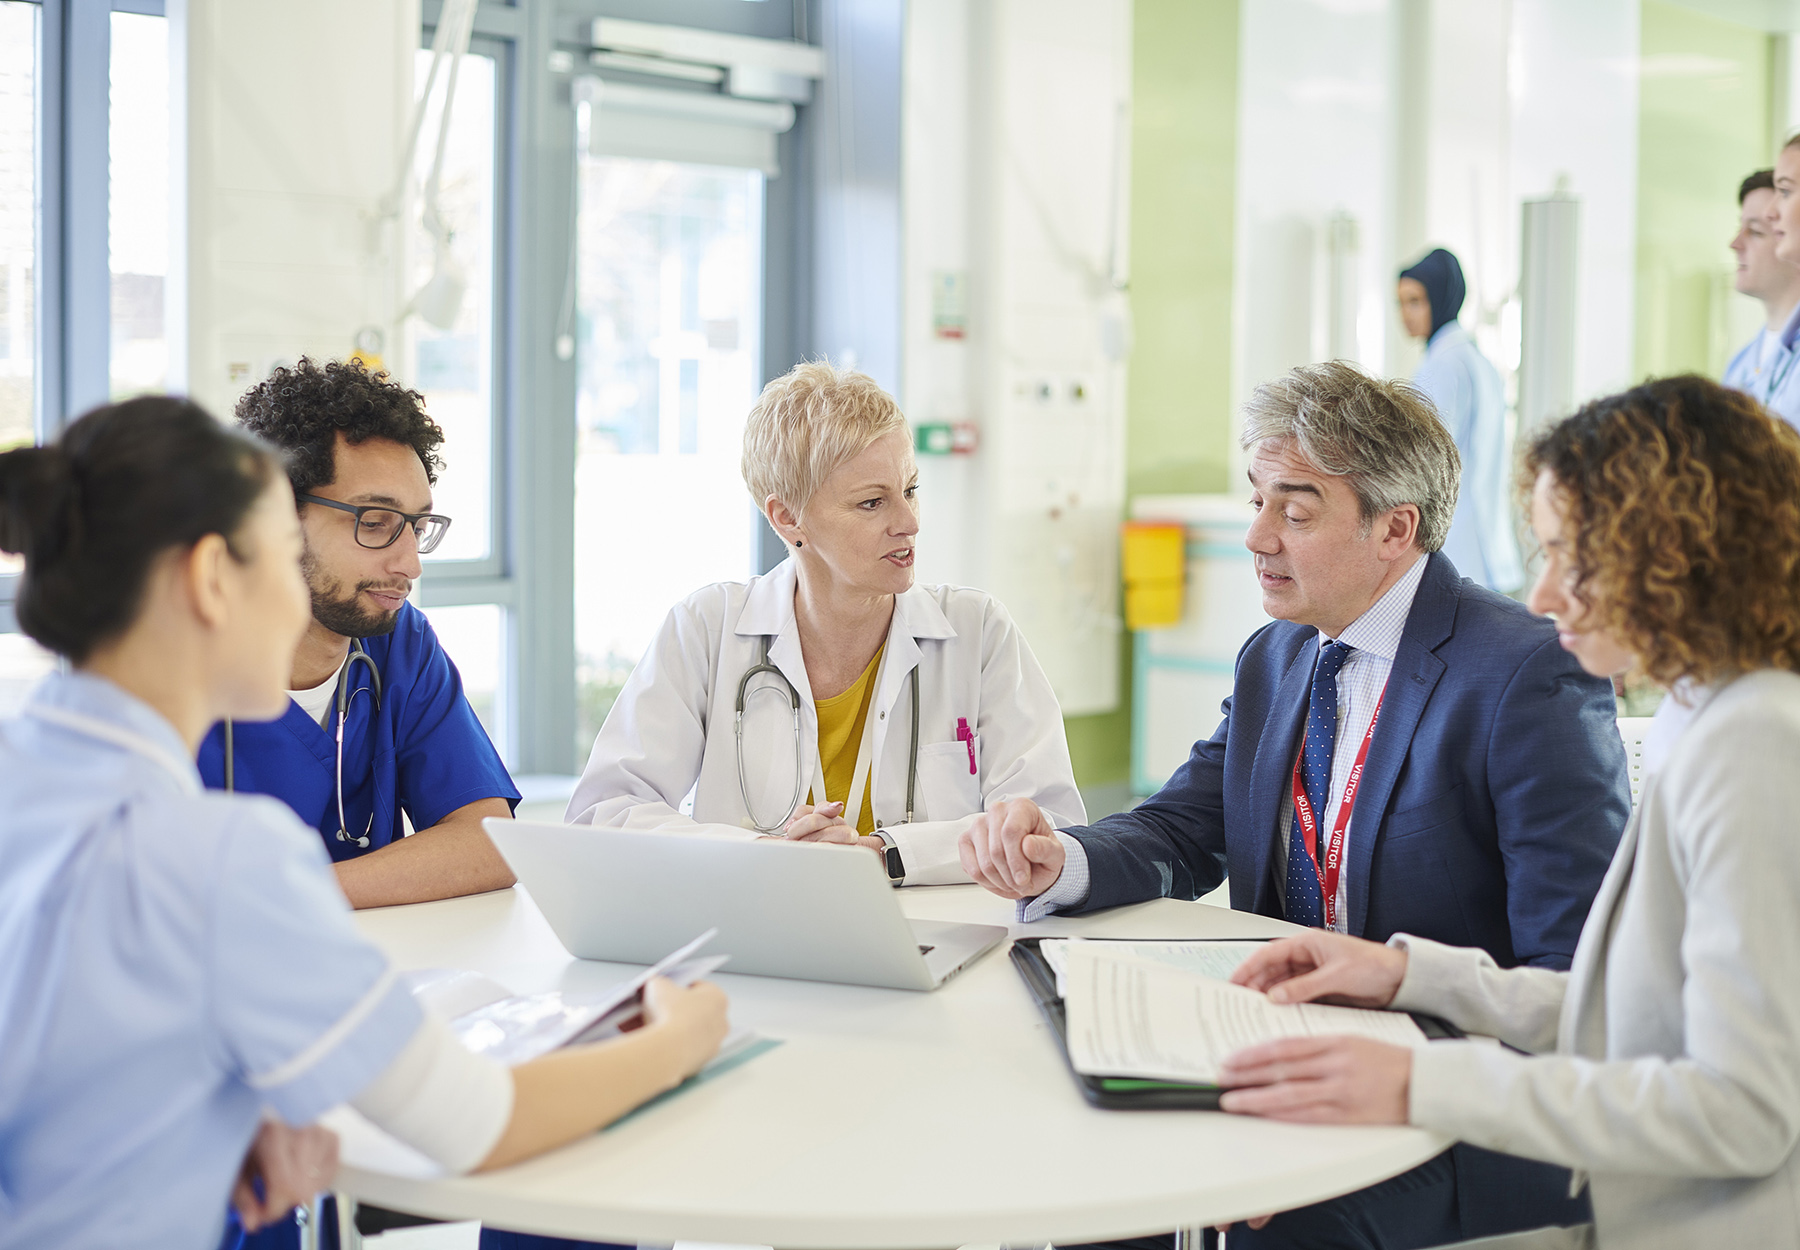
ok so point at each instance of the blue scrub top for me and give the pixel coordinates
(1467, 392)
(424, 752)
(1777, 387)
(171, 962)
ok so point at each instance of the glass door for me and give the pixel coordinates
(668, 340)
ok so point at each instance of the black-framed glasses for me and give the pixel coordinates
(378, 526)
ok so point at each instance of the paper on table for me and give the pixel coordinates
(1217, 960)
(513, 1029)
(1135, 1019)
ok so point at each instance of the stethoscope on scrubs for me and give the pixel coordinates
(345, 697)
(793, 696)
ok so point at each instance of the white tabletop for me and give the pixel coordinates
(886, 1118)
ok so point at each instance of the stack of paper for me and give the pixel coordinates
(1129, 1016)
(1217, 960)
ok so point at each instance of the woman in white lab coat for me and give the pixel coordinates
(888, 715)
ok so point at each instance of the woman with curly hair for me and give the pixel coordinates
(1665, 1064)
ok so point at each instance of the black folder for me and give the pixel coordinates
(1118, 1093)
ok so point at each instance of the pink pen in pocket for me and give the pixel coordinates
(966, 736)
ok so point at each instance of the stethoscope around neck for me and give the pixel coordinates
(745, 694)
(345, 697)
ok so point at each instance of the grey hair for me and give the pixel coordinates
(1384, 437)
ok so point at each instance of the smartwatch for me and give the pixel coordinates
(890, 856)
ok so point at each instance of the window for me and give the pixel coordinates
(668, 356)
(465, 590)
(138, 225)
(18, 231)
(454, 368)
(474, 637)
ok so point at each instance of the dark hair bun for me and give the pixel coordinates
(37, 499)
(92, 512)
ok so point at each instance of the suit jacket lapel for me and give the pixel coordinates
(1411, 680)
(1582, 1029)
(1410, 683)
(1270, 773)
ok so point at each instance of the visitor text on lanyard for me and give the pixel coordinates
(1308, 824)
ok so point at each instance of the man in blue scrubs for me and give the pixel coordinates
(1768, 279)
(363, 457)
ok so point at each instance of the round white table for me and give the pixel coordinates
(886, 1118)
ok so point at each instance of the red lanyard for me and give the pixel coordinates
(1309, 826)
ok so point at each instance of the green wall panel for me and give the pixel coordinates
(1183, 160)
(1703, 124)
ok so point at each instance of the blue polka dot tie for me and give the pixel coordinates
(1305, 896)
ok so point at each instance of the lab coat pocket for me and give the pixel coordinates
(946, 783)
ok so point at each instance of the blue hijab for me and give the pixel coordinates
(1442, 278)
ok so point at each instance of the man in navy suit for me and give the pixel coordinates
(1403, 751)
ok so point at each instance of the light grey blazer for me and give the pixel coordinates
(1665, 1063)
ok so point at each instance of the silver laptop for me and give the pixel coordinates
(806, 910)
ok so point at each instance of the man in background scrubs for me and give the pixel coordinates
(1780, 389)
(1770, 281)
(354, 441)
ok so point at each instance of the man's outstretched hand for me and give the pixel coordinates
(1012, 850)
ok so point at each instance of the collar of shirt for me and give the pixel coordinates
(1377, 631)
(1791, 330)
(96, 698)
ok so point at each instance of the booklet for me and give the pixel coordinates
(512, 1028)
(1140, 1018)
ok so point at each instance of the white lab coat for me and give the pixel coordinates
(671, 735)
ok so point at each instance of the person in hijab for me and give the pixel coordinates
(1467, 393)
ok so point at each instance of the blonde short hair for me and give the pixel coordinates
(806, 424)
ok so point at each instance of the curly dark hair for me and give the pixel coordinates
(302, 409)
(1685, 498)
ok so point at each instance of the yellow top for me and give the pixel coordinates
(841, 721)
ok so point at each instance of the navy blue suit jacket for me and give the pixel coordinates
(1494, 792)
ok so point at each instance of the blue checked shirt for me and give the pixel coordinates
(1375, 639)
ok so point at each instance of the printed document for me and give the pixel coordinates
(1129, 1017)
(1217, 960)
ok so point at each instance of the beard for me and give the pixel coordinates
(342, 613)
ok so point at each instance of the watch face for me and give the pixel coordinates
(895, 869)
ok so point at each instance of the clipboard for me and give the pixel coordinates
(1132, 1093)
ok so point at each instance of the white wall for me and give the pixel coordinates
(1430, 122)
(1574, 88)
(1014, 151)
(1315, 133)
(288, 119)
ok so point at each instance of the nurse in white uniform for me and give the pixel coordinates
(831, 699)
(176, 964)
(1465, 389)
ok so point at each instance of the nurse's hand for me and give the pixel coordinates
(693, 1019)
(1012, 850)
(293, 1164)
